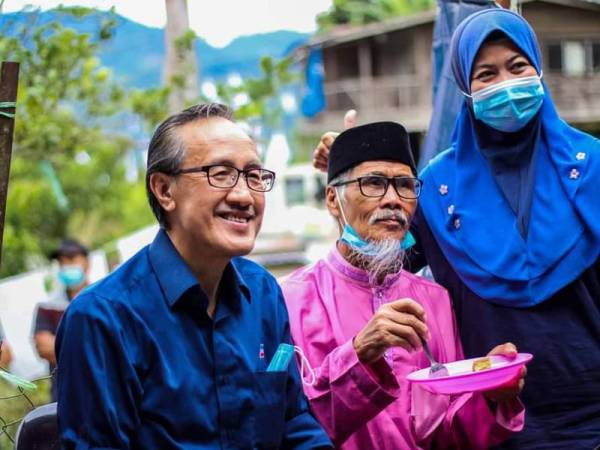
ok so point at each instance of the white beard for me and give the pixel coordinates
(379, 258)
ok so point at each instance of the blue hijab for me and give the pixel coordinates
(478, 218)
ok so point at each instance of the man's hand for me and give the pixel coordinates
(321, 153)
(514, 387)
(396, 324)
(44, 344)
(5, 354)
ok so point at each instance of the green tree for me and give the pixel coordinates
(262, 103)
(14, 406)
(360, 12)
(262, 96)
(67, 174)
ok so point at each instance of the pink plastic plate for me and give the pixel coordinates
(461, 377)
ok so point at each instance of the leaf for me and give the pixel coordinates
(17, 381)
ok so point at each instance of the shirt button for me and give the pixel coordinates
(580, 156)
(574, 174)
(443, 189)
(457, 223)
(451, 209)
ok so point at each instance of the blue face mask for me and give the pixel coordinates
(71, 276)
(509, 105)
(351, 238)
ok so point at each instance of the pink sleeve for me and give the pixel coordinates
(471, 423)
(347, 394)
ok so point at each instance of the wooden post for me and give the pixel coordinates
(180, 62)
(9, 81)
(365, 73)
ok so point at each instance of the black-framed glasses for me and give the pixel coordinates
(377, 186)
(224, 176)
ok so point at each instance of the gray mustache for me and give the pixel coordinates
(388, 214)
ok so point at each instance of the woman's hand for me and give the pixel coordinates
(513, 388)
(321, 153)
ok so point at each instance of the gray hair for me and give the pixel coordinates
(342, 176)
(166, 150)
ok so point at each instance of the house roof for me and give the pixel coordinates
(348, 33)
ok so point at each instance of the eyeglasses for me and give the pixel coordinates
(223, 176)
(377, 186)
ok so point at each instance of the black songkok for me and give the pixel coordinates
(379, 141)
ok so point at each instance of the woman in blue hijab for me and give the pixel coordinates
(509, 222)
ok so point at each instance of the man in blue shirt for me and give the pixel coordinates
(173, 347)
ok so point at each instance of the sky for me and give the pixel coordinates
(216, 21)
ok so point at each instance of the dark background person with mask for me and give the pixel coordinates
(72, 257)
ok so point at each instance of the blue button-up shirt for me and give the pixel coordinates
(142, 365)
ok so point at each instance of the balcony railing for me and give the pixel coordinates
(402, 98)
(576, 98)
(407, 99)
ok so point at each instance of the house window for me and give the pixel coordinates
(596, 56)
(294, 191)
(573, 58)
(320, 189)
(555, 57)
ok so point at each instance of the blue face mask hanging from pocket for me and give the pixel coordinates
(509, 105)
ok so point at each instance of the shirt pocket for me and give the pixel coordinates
(269, 414)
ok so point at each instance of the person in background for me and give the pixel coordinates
(5, 351)
(360, 319)
(174, 347)
(73, 262)
(509, 223)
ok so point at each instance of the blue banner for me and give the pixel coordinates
(447, 99)
(314, 94)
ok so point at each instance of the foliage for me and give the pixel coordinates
(67, 174)
(255, 100)
(13, 409)
(360, 12)
(151, 105)
(65, 104)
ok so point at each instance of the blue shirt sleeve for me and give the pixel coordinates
(95, 374)
(302, 431)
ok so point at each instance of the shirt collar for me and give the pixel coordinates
(176, 278)
(358, 275)
(233, 282)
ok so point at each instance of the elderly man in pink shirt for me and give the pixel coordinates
(360, 319)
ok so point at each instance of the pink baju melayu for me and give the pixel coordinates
(373, 406)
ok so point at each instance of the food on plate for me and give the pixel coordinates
(482, 364)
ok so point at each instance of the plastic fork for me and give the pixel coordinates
(436, 370)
